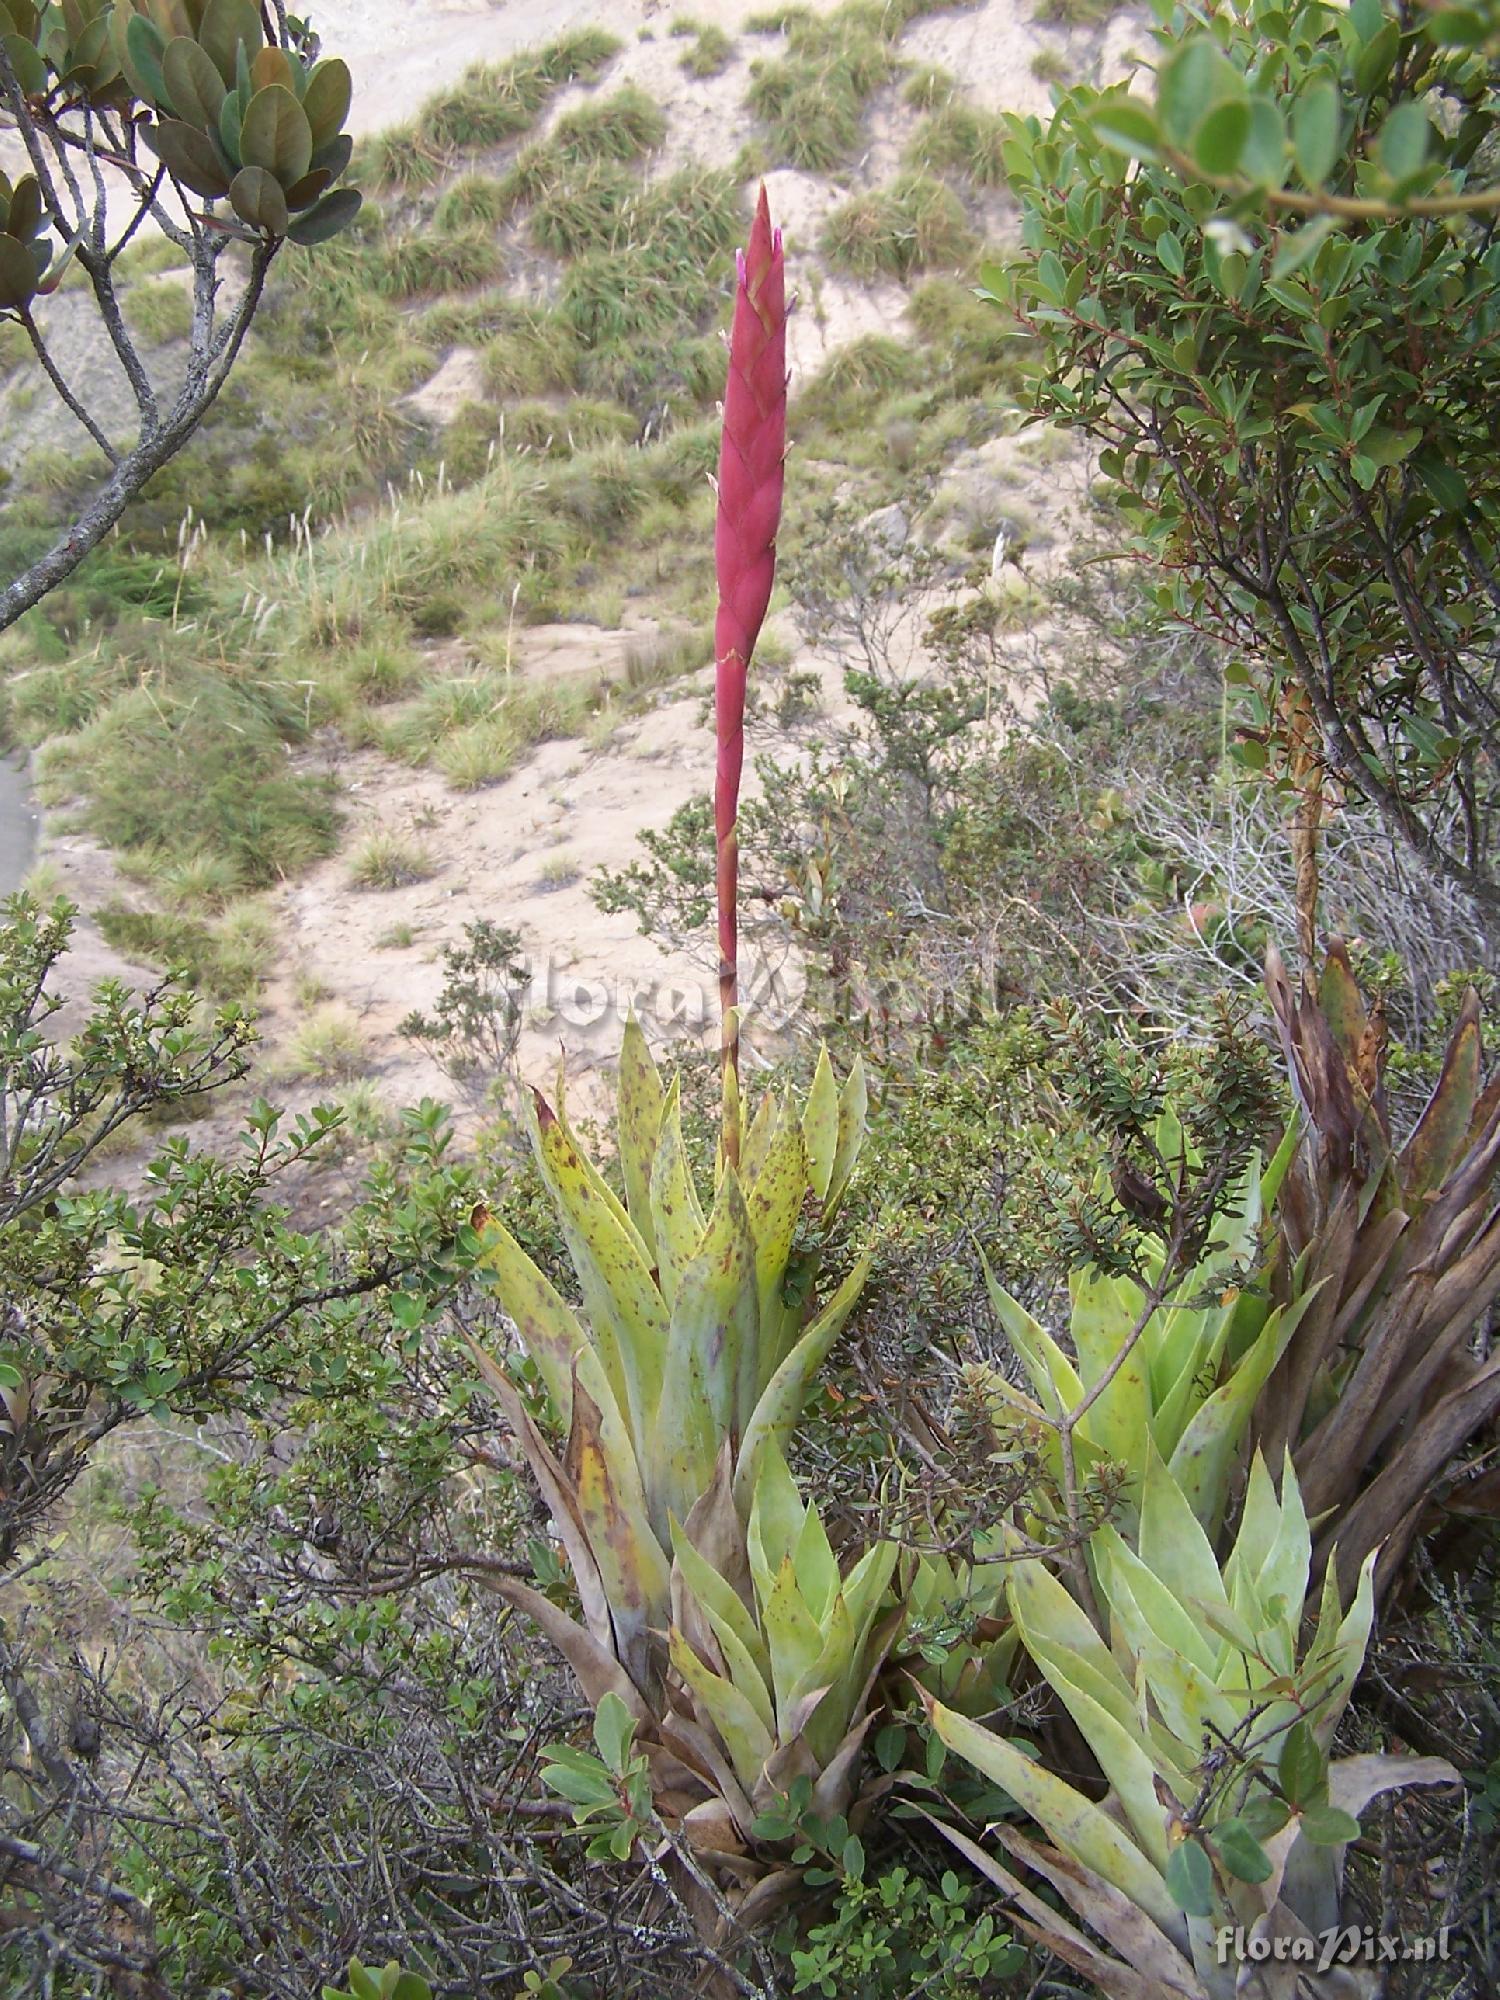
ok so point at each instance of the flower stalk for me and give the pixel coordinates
(752, 456)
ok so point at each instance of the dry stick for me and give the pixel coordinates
(54, 376)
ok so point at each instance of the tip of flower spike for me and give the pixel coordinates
(545, 1115)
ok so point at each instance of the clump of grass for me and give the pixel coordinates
(368, 1120)
(391, 861)
(400, 937)
(959, 138)
(625, 126)
(148, 256)
(329, 1047)
(584, 211)
(577, 56)
(601, 490)
(481, 754)
(711, 51)
(402, 157)
(656, 659)
(431, 261)
(493, 102)
(894, 231)
(225, 961)
(472, 201)
(811, 101)
(558, 871)
(859, 376)
(976, 347)
(1049, 66)
(440, 709)
(582, 425)
(535, 353)
(465, 322)
(623, 297)
(195, 881)
(160, 312)
(204, 756)
(929, 86)
(1075, 13)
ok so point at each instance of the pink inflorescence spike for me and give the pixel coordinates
(752, 458)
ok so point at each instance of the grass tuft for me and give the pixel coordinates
(626, 126)
(895, 231)
(160, 312)
(811, 101)
(958, 138)
(712, 48)
(328, 1047)
(472, 201)
(391, 861)
(408, 266)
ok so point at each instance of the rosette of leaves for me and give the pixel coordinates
(1398, 1244)
(65, 47)
(958, 1642)
(25, 251)
(711, 1602)
(767, 1694)
(699, 1332)
(1210, 1721)
(240, 118)
(1187, 1386)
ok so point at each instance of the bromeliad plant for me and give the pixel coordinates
(1210, 1719)
(711, 1603)
(697, 1342)
(1170, 1362)
(1397, 1248)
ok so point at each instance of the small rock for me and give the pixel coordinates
(889, 525)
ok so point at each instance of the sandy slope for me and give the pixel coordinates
(521, 852)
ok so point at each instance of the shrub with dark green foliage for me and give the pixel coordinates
(1333, 516)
